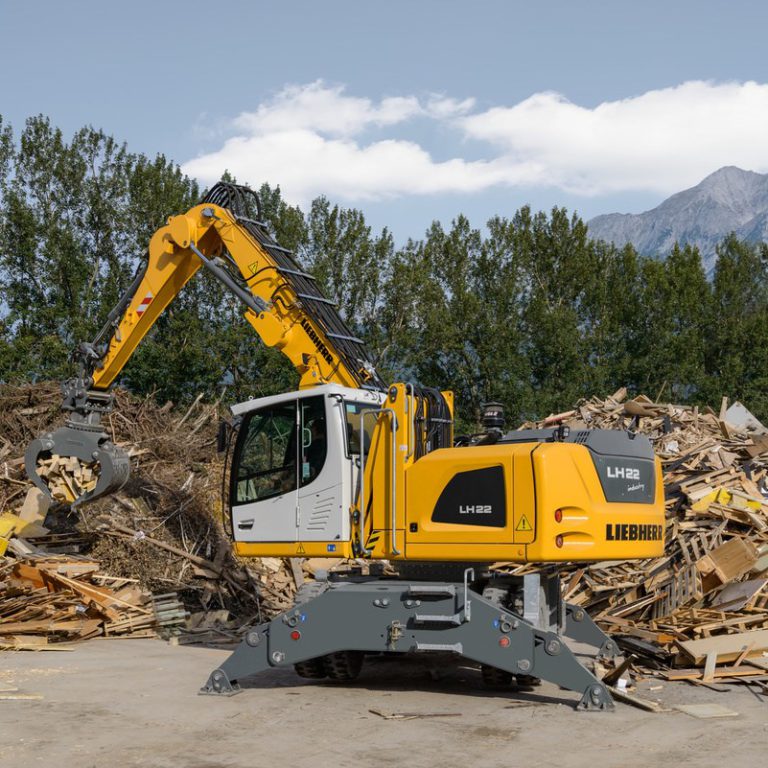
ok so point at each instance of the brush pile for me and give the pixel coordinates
(162, 534)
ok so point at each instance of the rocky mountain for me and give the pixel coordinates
(729, 200)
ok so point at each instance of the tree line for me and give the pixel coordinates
(527, 310)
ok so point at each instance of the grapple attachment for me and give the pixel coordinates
(71, 451)
(78, 462)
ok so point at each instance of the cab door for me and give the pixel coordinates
(265, 475)
(323, 497)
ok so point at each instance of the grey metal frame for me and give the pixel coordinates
(380, 616)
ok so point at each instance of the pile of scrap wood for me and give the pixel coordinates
(68, 478)
(708, 594)
(164, 531)
(45, 599)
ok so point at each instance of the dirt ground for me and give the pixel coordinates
(134, 703)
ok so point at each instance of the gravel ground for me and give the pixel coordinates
(133, 703)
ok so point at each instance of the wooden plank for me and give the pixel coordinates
(709, 667)
(636, 701)
(29, 573)
(102, 597)
(296, 570)
(727, 647)
(35, 506)
(706, 711)
(39, 640)
(21, 696)
(743, 655)
(8, 646)
(719, 672)
(71, 626)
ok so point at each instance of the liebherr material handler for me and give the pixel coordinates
(348, 467)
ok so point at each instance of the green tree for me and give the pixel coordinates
(737, 348)
(675, 306)
(559, 263)
(76, 219)
(612, 312)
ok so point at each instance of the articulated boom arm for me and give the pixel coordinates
(282, 303)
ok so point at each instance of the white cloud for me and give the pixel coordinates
(325, 109)
(308, 140)
(442, 107)
(660, 141)
(306, 164)
(312, 140)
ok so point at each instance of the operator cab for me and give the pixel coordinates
(295, 464)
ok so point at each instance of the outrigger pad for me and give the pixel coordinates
(219, 685)
(595, 699)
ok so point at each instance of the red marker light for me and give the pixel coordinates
(558, 515)
(558, 541)
(504, 641)
(295, 635)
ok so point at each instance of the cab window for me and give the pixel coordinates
(352, 415)
(265, 464)
(280, 447)
(314, 438)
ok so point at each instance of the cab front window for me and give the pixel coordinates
(265, 464)
(280, 448)
(314, 438)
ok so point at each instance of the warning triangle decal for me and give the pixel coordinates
(300, 549)
(523, 525)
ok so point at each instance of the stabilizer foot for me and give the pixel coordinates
(219, 685)
(596, 699)
(608, 650)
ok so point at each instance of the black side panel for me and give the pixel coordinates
(476, 497)
(624, 479)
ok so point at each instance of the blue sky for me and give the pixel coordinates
(410, 110)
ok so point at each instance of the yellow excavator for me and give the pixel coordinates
(349, 467)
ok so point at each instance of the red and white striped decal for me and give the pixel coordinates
(145, 302)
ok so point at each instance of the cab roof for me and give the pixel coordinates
(330, 390)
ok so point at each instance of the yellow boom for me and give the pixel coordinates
(302, 325)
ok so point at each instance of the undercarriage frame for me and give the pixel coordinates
(377, 615)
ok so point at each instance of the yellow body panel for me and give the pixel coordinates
(402, 404)
(566, 479)
(539, 478)
(378, 476)
(426, 480)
